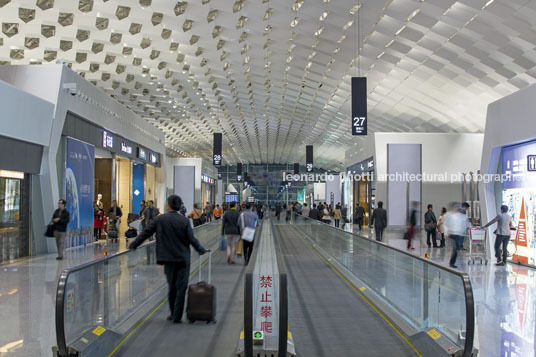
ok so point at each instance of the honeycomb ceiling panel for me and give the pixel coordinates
(274, 75)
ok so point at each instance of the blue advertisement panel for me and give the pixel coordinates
(138, 187)
(79, 187)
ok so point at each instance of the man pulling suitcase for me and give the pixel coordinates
(174, 235)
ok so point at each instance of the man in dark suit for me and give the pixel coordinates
(174, 235)
(379, 220)
(313, 213)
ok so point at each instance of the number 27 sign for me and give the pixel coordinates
(359, 106)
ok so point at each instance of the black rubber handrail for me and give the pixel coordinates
(63, 350)
(466, 282)
(283, 295)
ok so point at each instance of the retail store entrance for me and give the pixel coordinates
(14, 215)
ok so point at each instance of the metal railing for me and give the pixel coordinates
(114, 293)
(432, 273)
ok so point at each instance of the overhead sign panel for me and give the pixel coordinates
(359, 106)
(309, 158)
(216, 152)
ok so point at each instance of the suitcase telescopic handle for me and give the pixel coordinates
(209, 252)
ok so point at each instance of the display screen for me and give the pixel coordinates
(519, 194)
(231, 197)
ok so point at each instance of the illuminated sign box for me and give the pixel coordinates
(142, 154)
(126, 148)
(107, 140)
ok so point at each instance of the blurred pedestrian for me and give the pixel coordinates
(232, 231)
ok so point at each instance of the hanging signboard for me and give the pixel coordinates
(359, 106)
(216, 152)
(309, 158)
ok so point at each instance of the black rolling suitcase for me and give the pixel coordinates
(202, 298)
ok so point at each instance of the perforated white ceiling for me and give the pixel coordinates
(274, 75)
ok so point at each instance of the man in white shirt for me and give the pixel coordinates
(456, 225)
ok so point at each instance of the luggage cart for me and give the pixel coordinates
(478, 245)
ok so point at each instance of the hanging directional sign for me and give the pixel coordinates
(239, 172)
(309, 158)
(216, 153)
(359, 106)
(531, 163)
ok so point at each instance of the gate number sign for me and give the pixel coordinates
(359, 106)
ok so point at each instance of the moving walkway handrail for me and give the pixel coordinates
(61, 287)
(466, 282)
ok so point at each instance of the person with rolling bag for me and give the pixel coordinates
(202, 297)
(174, 236)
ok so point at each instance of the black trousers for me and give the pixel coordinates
(501, 240)
(248, 249)
(337, 221)
(455, 244)
(379, 233)
(360, 222)
(177, 278)
(432, 234)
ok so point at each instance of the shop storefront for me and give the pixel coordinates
(518, 162)
(19, 163)
(14, 215)
(208, 190)
(116, 169)
(361, 188)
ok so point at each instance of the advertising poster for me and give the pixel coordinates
(519, 194)
(79, 187)
(138, 186)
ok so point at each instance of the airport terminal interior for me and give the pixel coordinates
(267, 178)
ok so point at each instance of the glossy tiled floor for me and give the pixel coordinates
(27, 296)
(505, 298)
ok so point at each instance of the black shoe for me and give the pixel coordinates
(429, 245)
(59, 258)
(177, 321)
(169, 318)
(500, 264)
(435, 246)
(453, 266)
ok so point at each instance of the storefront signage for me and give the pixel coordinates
(309, 158)
(207, 179)
(107, 140)
(359, 106)
(126, 148)
(531, 163)
(217, 149)
(363, 166)
(142, 154)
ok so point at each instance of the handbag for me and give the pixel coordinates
(430, 226)
(49, 232)
(239, 250)
(248, 234)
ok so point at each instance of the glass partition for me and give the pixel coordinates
(425, 294)
(114, 293)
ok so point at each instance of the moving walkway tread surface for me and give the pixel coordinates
(159, 337)
(326, 316)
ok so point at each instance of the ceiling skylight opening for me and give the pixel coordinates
(297, 5)
(487, 4)
(319, 31)
(324, 15)
(295, 22)
(348, 25)
(400, 30)
(343, 37)
(413, 14)
(355, 9)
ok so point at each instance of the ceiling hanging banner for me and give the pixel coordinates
(216, 152)
(359, 106)
(239, 172)
(309, 158)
